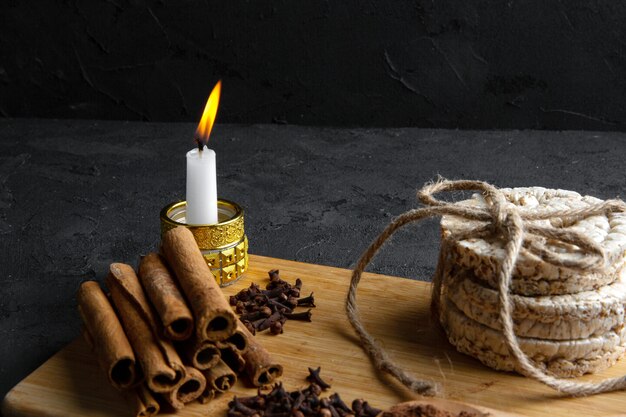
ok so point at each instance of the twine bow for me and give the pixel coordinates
(519, 230)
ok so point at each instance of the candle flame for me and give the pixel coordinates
(203, 131)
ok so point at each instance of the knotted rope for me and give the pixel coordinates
(517, 228)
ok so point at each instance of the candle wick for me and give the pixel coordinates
(200, 145)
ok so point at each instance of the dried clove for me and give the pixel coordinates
(240, 307)
(314, 376)
(278, 391)
(292, 302)
(279, 306)
(336, 401)
(249, 326)
(315, 390)
(274, 274)
(276, 328)
(257, 323)
(276, 292)
(303, 316)
(269, 321)
(252, 316)
(298, 401)
(326, 404)
(275, 280)
(325, 412)
(308, 411)
(307, 301)
(266, 311)
(370, 411)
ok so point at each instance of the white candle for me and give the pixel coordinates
(201, 187)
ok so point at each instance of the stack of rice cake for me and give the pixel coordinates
(568, 322)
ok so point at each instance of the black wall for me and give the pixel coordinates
(468, 64)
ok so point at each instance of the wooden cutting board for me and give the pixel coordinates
(395, 310)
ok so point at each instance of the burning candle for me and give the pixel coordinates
(201, 171)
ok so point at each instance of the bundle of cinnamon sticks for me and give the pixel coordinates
(167, 334)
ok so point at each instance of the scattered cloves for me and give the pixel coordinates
(301, 403)
(242, 408)
(257, 402)
(261, 310)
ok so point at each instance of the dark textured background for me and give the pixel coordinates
(78, 195)
(461, 64)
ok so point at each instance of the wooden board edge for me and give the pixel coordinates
(10, 405)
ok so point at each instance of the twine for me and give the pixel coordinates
(514, 226)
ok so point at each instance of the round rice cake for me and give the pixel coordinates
(566, 359)
(556, 317)
(533, 276)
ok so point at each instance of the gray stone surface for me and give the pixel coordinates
(424, 63)
(77, 195)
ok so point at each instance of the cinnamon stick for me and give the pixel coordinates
(202, 354)
(233, 358)
(259, 366)
(238, 341)
(142, 401)
(105, 335)
(214, 318)
(161, 365)
(166, 297)
(206, 396)
(220, 377)
(192, 387)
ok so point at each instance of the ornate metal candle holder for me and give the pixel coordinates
(224, 245)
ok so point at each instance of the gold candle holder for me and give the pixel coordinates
(224, 245)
